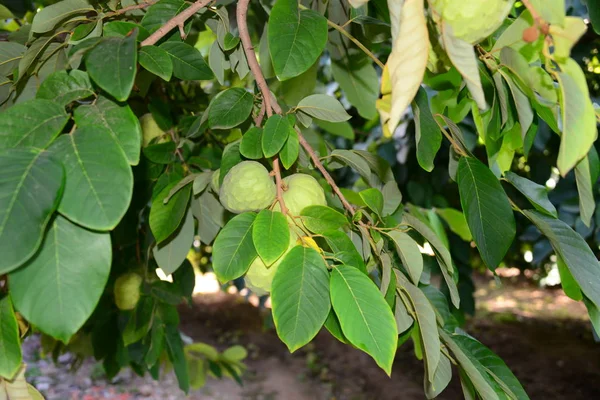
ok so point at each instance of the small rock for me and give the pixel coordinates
(145, 390)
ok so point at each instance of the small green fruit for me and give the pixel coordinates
(127, 290)
(150, 129)
(473, 21)
(302, 191)
(247, 187)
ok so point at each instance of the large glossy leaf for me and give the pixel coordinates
(120, 121)
(574, 251)
(230, 108)
(536, 194)
(578, 118)
(427, 131)
(234, 251)
(296, 38)
(364, 315)
(112, 65)
(300, 296)
(427, 324)
(157, 61)
(49, 17)
(323, 107)
(170, 255)
(10, 343)
(188, 63)
(34, 123)
(275, 134)
(165, 218)
(319, 219)
(30, 189)
(487, 210)
(360, 85)
(409, 253)
(408, 60)
(271, 235)
(64, 87)
(99, 181)
(67, 275)
(463, 57)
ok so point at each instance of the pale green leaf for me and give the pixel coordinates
(456, 221)
(360, 85)
(49, 17)
(171, 254)
(323, 107)
(585, 187)
(409, 253)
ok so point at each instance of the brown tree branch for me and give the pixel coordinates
(174, 22)
(543, 26)
(146, 3)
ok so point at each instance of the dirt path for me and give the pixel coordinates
(540, 334)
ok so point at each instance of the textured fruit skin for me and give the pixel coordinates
(127, 290)
(473, 20)
(247, 187)
(259, 277)
(302, 191)
(150, 129)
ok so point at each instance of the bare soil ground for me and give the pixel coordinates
(542, 335)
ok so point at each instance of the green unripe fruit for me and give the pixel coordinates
(302, 191)
(473, 20)
(150, 129)
(214, 182)
(247, 187)
(259, 277)
(127, 290)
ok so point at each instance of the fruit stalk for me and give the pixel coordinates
(279, 185)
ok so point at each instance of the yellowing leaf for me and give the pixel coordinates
(565, 38)
(408, 60)
(307, 241)
(463, 57)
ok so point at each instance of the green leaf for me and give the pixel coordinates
(300, 296)
(568, 282)
(291, 150)
(234, 250)
(34, 123)
(161, 12)
(487, 209)
(536, 194)
(319, 219)
(10, 55)
(472, 366)
(356, 162)
(409, 253)
(161, 153)
(322, 106)
(10, 343)
(210, 214)
(271, 235)
(574, 251)
(230, 108)
(231, 157)
(124, 28)
(165, 218)
(68, 275)
(201, 181)
(441, 378)
(188, 63)
(174, 346)
(99, 182)
(524, 110)
(392, 198)
(463, 57)
(427, 131)
(157, 61)
(578, 117)
(112, 65)
(594, 11)
(49, 17)
(275, 134)
(342, 129)
(63, 88)
(360, 85)
(30, 189)
(426, 319)
(230, 42)
(344, 249)
(171, 254)
(364, 315)
(250, 146)
(332, 324)
(118, 119)
(373, 199)
(457, 222)
(296, 38)
(583, 177)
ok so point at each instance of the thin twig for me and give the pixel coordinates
(131, 8)
(354, 40)
(543, 26)
(174, 22)
(241, 15)
(279, 185)
(261, 114)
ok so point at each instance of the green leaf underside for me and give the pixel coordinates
(170, 255)
(300, 296)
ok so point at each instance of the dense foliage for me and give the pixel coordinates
(271, 138)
